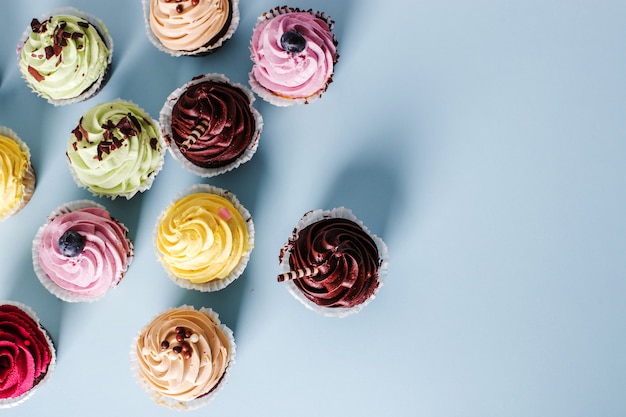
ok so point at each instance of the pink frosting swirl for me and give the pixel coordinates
(99, 266)
(25, 353)
(301, 74)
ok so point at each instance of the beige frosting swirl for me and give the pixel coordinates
(189, 24)
(176, 371)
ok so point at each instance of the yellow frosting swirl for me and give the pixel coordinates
(202, 237)
(188, 25)
(178, 372)
(13, 166)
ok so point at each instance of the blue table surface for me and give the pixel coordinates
(483, 141)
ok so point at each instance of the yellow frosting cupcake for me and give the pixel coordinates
(17, 176)
(204, 238)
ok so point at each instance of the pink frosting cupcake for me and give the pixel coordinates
(294, 54)
(81, 252)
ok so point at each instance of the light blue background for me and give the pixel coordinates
(484, 141)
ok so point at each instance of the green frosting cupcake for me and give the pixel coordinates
(65, 57)
(115, 150)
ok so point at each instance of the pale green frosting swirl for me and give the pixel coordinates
(115, 150)
(63, 56)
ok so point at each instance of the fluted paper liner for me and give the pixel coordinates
(50, 285)
(173, 403)
(165, 120)
(216, 284)
(314, 216)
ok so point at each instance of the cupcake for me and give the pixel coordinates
(115, 150)
(332, 263)
(65, 56)
(27, 354)
(294, 54)
(190, 27)
(81, 252)
(210, 126)
(204, 238)
(17, 176)
(182, 357)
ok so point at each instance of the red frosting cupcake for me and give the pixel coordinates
(27, 354)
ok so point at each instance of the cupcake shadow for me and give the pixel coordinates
(370, 186)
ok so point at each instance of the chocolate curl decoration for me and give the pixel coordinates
(300, 273)
(197, 131)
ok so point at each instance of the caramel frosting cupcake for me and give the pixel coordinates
(190, 27)
(182, 357)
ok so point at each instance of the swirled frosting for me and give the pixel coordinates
(189, 24)
(100, 265)
(202, 237)
(212, 123)
(182, 354)
(115, 149)
(286, 74)
(14, 163)
(63, 56)
(25, 352)
(347, 259)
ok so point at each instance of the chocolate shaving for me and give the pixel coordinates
(36, 75)
(49, 50)
(125, 125)
(135, 122)
(37, 26)
(154, 143)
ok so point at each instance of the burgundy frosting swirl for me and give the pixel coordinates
(24, 352)
(230, 123)
(347, 259)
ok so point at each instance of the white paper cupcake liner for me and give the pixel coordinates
(313, 217)
(165, 120)
(173, 403)
(234, 23)
(14, 402)
(148, 184)
(268, 95)
(216, 284)
(107, 39)
(30, 177)
(50, 285)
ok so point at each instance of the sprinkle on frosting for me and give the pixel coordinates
(183, 354)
